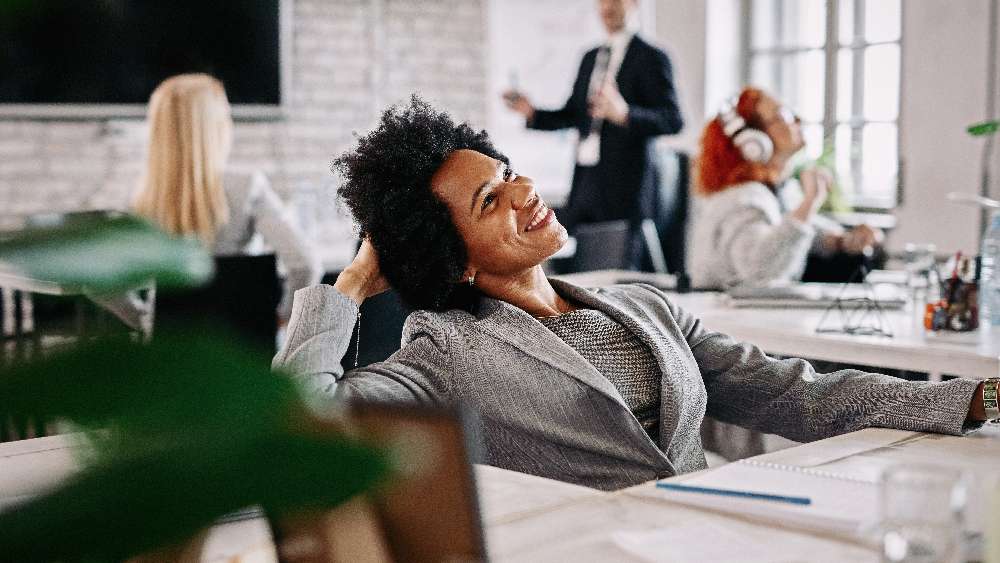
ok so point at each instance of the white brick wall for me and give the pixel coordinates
(350, 59)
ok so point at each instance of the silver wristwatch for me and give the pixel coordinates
(990, 399)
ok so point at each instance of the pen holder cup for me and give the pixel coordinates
(954, 307)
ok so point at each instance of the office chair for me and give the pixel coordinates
(606, 246)
(654, 258)
(241, 299)
(841, 267)
(601, 246)
(672, 206)
(382, 318)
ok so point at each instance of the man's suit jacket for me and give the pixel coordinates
(623, 184)
(545, 410)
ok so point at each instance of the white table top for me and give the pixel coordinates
(15, 281)
(529, 518)
(637, 524)
(792, 332)
(600, 278)
(29, 467)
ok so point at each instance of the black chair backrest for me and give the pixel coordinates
(601, 246)
(672, 206)
(382, 318)
(242, 298)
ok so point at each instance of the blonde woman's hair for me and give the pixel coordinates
(190, 135)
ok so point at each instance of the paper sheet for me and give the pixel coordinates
(723, 541)
(694, 542)
(840, 508)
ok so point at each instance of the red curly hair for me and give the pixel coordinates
(720, 164)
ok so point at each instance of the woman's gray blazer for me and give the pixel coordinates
(545, 410)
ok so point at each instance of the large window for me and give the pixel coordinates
(837, 64)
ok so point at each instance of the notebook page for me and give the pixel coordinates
(838, 447)
(839, 506)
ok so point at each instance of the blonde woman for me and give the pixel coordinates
(188, 192)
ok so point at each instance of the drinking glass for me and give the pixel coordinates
(922, 511)
(919, 260)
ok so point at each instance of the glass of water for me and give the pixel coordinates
(919, 261)
(922, 511)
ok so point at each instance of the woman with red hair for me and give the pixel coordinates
(743, 232)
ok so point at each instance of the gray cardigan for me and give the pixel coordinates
(545, 410)
(257, 218)
(256, 212)
(740, 236)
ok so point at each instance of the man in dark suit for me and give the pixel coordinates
(622, 99)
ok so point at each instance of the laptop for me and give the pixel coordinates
(429, 511)
(818, 295)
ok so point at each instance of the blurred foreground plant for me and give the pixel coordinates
(184, 429)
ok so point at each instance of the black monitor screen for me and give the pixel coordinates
(117, 51)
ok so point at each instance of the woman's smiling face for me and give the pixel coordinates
(506, 227)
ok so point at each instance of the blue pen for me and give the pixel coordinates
(732, 493)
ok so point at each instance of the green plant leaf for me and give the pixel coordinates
(183, 384)
(836, 200)
(192, 426)
(8, 7)
(105, 254)
(115, 511)
(984, 128)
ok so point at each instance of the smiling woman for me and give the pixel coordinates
(506, 227)
(606, 388)
(387, 178)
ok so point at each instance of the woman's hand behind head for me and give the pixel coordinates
(363, 278)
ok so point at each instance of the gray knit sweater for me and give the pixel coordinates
(619, 355)
(258, 218)
(740, 236)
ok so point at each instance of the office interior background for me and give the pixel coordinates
(887, 87)
(896, 100)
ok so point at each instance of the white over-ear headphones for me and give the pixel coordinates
(753, 144)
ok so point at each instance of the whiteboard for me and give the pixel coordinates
(536, 46)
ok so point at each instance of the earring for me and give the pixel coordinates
(472, 280)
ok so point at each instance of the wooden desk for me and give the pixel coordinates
(793, 333)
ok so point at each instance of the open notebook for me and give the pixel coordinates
(840, 505)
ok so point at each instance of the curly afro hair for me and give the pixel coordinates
(387, 187)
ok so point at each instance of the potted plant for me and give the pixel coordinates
(180, 430)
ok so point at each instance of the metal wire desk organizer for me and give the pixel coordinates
(858, 316)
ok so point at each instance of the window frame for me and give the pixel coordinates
(831, 48)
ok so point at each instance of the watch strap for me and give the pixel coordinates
(990, 404)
